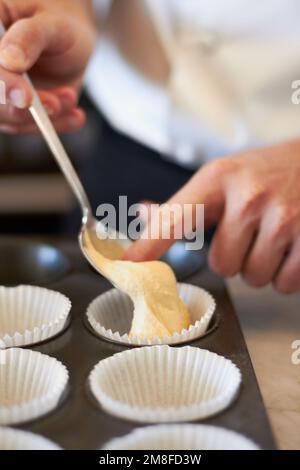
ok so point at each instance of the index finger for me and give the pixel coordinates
(205, 187)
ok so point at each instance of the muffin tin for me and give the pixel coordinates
(78, 422)
(28, 262)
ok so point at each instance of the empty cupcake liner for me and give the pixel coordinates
(30, 315)
(181, 437)
(13, 439)
(165, 384)
(31, 384)
(110, 315)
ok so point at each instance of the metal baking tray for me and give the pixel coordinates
(78, 422)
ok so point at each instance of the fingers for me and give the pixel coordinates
(24, 43)
(258, 251)
(10, 115)
(22, 46)
(69, 122)
(152, 243)
(58, 102)
(148, 249)
(15, 90)
(269, 249)
(287, 280)
(231, 243)
(206, 187)
(237, 230)
(67, 96)
(145, 210)
(28, 38)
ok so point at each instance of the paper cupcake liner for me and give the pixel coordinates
(13, 439)
(181, 437)
(164, 384)
(110, 315)
(30, 315)
(31, 385)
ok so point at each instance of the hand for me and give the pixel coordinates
(255, 199)
(52, 40)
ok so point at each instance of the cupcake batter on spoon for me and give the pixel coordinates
(151, 285)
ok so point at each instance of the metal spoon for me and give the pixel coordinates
(89, 222)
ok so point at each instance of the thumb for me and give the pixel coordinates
(205, 187)
(28, 38)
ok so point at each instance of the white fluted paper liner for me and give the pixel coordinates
(110, 315)
(29, 314)
(181, 437)
(31, 384)
(164, 384)
(13, 439)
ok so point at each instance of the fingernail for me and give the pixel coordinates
(17, 98)
(12, 55)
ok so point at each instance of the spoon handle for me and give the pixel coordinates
(54, 143)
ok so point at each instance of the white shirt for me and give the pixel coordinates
(233, 68)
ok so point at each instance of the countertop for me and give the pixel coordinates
(271, 322)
